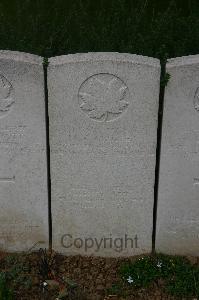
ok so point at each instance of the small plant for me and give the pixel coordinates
(45, 62)
(165, 79)
(46, 262)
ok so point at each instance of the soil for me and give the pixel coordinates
(83, 278)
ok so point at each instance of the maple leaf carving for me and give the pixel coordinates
(103, 97)
(5, 95)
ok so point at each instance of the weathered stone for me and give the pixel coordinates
(23, 181)
(103, 119)
(178, 203)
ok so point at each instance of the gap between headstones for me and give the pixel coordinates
(158, 150)
(45, 68)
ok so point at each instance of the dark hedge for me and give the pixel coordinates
(55, 27)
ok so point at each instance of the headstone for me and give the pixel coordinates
(23, 180)
(178, 203)
(103, 111)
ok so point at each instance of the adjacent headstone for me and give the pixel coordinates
(178, 203)
(23, 180)
(103, 111)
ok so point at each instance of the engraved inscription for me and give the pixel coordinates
(6, 97)
(103, 97)
(8, 179)
(196, 181)
(196, 100)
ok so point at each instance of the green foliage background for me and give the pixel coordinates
(54, 27)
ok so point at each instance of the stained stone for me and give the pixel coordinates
(103, 110)
(178, 203)
(23, 181)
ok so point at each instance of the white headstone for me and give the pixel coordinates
(178, 203)
(103, 119)
(23, 180)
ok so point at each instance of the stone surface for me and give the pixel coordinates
(103, 121)
(178, 204)
(23, 181)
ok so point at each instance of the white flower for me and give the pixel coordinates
(45, 283)
(159, 264)
(130, 279)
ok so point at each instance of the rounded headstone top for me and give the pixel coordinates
(21, 57)
(183, 61)
(103, 56)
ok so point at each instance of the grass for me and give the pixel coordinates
(54, 27)
(15, 274)
(181, 279)
(5, 292)
(23, 276)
